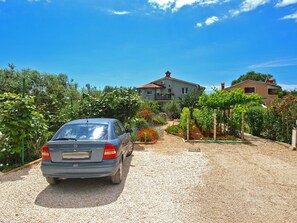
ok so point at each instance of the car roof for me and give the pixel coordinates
(93, 121)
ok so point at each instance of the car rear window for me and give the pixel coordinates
(83, 132)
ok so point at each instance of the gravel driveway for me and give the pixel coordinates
(156, 188)
(164, 182)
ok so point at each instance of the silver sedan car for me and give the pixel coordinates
(87, 148)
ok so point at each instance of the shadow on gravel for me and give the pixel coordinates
(14, 176)
(82, 193)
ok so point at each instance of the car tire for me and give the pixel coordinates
(130, 152)
(52, 180)
(117, 178)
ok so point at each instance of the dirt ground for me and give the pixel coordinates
(254, 182)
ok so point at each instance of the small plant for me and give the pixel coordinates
(139, 123)
(159, 120)
(134, 136)
(147, 135)
(173, 129)
(146, 114)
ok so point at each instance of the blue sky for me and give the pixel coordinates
(133, 42)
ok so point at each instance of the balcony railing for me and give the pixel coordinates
(164, 96)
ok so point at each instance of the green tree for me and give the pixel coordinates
(251, 75)
(121, 103)
(190, 100)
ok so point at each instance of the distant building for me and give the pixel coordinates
(268, 90)
(166, 88)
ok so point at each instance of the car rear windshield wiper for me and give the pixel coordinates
(66, 139)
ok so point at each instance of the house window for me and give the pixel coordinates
(184, 90)
(169, 90)
(272, 91)
(149, 92)
(249, 90)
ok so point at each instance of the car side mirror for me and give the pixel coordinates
(129, 130)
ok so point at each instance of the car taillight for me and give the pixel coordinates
(45, 153)
(110, 152)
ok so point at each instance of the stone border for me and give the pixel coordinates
(22, 167)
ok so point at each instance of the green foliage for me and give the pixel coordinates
(183, 118)
(172, 109)
(174, 129)
(159, 120)
(255, 120)
(134, 136)
(55, 96)
(190, 100)
(120, 103)
(283, 93)
(152, 106)
(138, 123)
(251, 75)
(223, 100)
(20, 120)
(204, 117)
(280, 119)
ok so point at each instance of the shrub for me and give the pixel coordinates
(20, 120)
(183, 118)
(255, 119)
(147, 135)
(152, 106)
(159, 120)
(139, 123)
(204, 118)
(173, 129)
(172, 109)
(280, 118)
(134, 136)
(146, 114)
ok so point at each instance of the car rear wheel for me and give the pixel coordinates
(52, 180)
(117, 178)
(131, 151)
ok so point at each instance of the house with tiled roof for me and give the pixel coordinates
(267, 89)
(166, 88)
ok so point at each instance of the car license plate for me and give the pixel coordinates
(76, 155)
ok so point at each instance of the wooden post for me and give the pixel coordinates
(242, 126)
(188, 128)
(215, 126)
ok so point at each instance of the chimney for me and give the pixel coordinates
(167, 73)
(222, 85)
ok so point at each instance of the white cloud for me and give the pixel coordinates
(288, 87)
(175, 5)
(248, 5)
(291, 16)
(48, 1)
(211, 20)
(161, 4)
(283, 3)
(276, 63)
(199, 25)
(120, 12)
